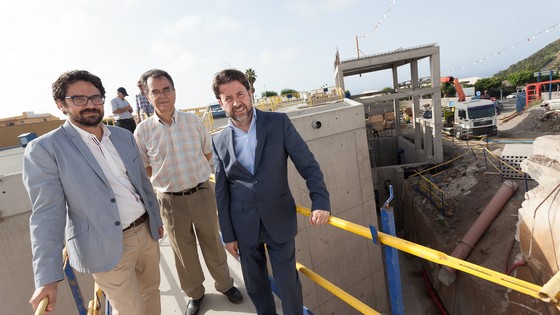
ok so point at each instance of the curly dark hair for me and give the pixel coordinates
(60, 86)
(227, 76)
(154, 74)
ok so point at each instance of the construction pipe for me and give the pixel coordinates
(463, 249)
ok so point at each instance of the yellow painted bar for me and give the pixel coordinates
(352, 301)
(42, 306)
(436, 256)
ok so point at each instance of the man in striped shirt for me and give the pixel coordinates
(176, 150)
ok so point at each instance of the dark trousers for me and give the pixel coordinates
(128, 124)
(255, 273)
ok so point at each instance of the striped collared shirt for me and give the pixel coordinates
(175, 152)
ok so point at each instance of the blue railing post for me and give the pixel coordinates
(391, 257)
(74, 288)
(108, 308)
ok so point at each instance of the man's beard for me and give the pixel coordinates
(243, 118)
(89, 121)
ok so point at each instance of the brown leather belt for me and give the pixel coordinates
(138, 221)
(186, 192)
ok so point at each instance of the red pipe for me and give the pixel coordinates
(433, 293)
(463, 249)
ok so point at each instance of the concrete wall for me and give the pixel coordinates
(9, 135)
(16, 270)
(349, 261)
(538, 232)
(384, 151)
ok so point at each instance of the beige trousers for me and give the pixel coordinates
(182, 217)
(132, 286)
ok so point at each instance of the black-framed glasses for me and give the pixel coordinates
(80, 100)
(165, 92)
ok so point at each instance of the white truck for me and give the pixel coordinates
(472, 119)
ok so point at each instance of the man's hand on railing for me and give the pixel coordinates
(319, 217)
(47, 291)
(41, 309)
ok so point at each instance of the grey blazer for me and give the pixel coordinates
(245, 199)
(73, 202)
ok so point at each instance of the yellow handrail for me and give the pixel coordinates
(42, 307)
(436, 256)
(354, 302)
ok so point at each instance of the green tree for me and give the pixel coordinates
(251, 77)
(287, 91)
(448, 90)
(268, 94)
(521, 77)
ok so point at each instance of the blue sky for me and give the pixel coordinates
(289, 44)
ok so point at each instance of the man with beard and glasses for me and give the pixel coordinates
(175, 148)
(89, 190)
(255, 205)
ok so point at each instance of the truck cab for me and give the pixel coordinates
(475, 118)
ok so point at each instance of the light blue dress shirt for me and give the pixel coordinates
(245, 143)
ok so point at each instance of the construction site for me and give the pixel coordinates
(450, 223)
(490, 201)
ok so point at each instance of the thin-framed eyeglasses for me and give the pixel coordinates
(81, 100)
(165, 92)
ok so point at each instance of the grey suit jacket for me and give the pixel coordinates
(73, 202)
(245, 199)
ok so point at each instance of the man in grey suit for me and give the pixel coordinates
(89, 189)
(255, 205)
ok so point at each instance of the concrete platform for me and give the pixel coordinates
(174, 300)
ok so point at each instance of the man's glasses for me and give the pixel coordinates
(165, 92)
(80, 100)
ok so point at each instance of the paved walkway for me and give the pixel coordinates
(174, 300)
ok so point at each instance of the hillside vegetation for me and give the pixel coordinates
(522, 72)
(547, 58)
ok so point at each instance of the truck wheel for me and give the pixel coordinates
(458, 134)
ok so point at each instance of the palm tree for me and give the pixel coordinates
(251, 77)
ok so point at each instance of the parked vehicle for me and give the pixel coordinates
(474, 118)
(217, 111)
(511, 96)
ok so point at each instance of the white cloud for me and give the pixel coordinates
(314, 7)
(279, 56)
(223, 24)
(187, 24)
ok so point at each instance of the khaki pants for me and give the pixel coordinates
(132, 286)
(182, 216)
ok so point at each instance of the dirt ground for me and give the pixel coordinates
(469, 184)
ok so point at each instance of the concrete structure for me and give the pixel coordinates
(349, 261)
(426, 139)
(423, 142)
(12, 127)
(26, 118)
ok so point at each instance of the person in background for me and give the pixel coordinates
(89, 190)
(144, 108)
(255, 205)
(122, 111)
(176, 151)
